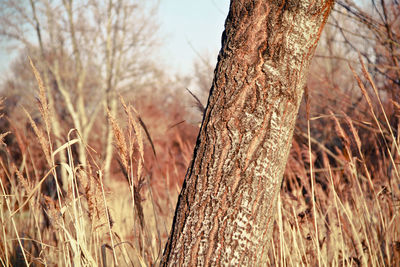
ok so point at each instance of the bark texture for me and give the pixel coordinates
(226, 207)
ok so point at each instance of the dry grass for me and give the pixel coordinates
(342, 208)
(84, 220)
(339, 204)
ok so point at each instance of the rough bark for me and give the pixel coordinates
(226, 207)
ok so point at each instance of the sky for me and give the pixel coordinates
(191, 27)
(187, 27)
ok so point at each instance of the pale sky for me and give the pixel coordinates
(191, 26)
(186, 26)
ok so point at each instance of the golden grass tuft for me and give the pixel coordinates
(43, 105)
(119, 141)
(44, 143)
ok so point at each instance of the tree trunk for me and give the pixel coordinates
(226, 208)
